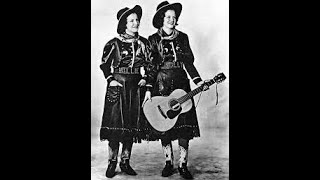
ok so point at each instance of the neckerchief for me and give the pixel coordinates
(128, 38)
(161, 33)
(132, 39)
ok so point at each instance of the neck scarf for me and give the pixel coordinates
(129, 38)
(161, 33)
(133, 39)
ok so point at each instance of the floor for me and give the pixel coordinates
(208, 158)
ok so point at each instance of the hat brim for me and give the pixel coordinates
(136, 9)
(177, 7)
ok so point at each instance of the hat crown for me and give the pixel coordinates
(162, 4)
(121, 11)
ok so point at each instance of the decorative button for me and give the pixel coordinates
(125, 52)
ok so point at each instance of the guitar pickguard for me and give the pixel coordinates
(163, 112)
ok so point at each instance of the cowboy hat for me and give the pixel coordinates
(125, 12)
(162, 8)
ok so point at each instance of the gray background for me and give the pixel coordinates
(207, 24)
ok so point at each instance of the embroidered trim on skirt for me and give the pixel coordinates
(187, 126)
(121, 120)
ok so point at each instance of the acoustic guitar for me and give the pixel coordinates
(162, 112)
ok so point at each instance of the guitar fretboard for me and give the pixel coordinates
(194, 92)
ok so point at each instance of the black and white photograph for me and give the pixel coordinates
(160, 89)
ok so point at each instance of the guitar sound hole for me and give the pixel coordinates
(174, 104)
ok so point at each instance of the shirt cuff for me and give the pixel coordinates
(196, 80)
(149, 87)
(110, 78)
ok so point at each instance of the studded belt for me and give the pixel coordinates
(127, 70)
(171, 65)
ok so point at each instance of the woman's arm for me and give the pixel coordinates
(106, 60)
(188, 59)
(152, 63)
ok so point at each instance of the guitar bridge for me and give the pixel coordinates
(161, 112)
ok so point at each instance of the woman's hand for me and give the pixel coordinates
(147, 97)
(142, 82)
(205, 87)
(115, 83)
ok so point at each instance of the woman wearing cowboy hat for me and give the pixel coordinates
(171, 53)
(122, 59)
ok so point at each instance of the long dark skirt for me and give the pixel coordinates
(186, 126)
(121, 120)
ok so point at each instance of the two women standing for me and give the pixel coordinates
(164, 56)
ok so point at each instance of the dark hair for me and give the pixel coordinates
(162, 15)
(123, 25)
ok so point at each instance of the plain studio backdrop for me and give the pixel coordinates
(206, 22)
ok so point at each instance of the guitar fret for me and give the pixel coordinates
(169, 115)
(199, 89)
(193, 92)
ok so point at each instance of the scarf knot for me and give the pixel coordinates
(128, 38)
(161, 33)
(134, 39)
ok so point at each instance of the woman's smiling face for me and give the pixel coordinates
(169, 20)
(132, 23)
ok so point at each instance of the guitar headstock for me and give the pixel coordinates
(219, 78)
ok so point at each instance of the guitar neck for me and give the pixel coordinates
(194, 92)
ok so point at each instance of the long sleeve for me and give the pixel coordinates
(188, 59)
(106, 60)
(152, 65)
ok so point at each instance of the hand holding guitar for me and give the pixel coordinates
(162, 113)
(147, 97)
(205, 86)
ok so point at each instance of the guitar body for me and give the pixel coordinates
(163, 112)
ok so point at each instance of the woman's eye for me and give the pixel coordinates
(170, 17)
